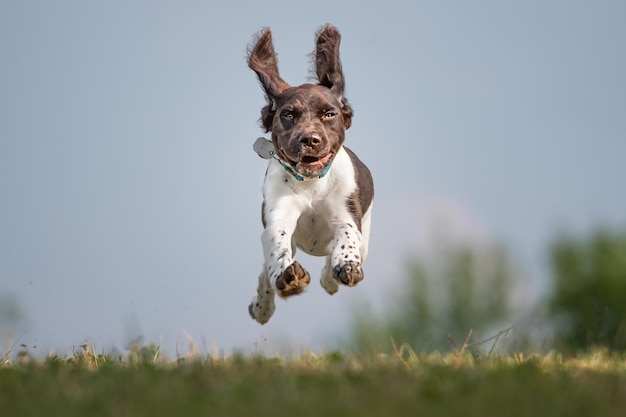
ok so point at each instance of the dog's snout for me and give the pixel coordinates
(310, 139)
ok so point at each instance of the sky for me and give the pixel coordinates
(130, 195)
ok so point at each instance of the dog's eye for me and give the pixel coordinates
(329, 115)
(288, 114)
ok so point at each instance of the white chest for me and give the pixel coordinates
(319, 205)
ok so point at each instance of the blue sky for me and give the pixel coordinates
(130, 194)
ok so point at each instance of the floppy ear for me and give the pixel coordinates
(328, 66)
(262, 60)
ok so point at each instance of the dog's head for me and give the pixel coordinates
(308, 121)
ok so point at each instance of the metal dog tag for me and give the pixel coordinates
(264, 148)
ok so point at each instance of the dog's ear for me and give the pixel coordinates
(262, 60)
(328, 66)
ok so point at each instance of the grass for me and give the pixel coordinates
(141, 383)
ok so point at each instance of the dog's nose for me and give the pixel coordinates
(310, 139)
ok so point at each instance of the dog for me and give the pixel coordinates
(317, 195)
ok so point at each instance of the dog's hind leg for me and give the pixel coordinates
(262, 306)
(327, 281)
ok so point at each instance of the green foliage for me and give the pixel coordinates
(337, 384)
(446, 295)
(590, 290)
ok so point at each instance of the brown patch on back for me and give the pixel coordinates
(361, 199)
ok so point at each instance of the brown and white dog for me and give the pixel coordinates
(317, 195)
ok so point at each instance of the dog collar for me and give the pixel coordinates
(265, 149)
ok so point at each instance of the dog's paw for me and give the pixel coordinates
(293, 280)
(349, 273)
(261, 310)
(330, 284)
(331, 287)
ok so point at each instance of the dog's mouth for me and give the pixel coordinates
(311, 161)
(312, 166)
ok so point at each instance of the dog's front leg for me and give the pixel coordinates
(346, 257)
(288, 275)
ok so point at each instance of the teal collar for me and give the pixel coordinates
(265, 149)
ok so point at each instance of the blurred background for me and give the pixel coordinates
(130, 194)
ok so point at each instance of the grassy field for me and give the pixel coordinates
(335, 384)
